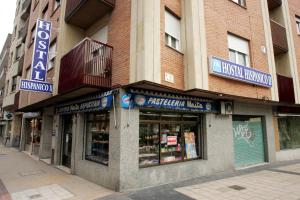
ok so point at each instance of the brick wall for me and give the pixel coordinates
(119, 38)
(294, 6)
(171, 60)
(223, 16)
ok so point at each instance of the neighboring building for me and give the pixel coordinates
(152, 92)
(4, 58)
(14, 71)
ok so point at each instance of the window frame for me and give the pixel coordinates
(18, 51)
(298, 24)
(241, 3)
(170, 38)
(199, 141)
(86, 131)
(247, 57)
(14, 83)
(52, 58)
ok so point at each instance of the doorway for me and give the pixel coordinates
(66, 140)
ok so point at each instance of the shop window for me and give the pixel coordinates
(289, 132)
(240, 2)
(97, 137)
(238, 50)
(52, 55)
(172, 31)
(168, 137)
(298, 24)
(14, 83)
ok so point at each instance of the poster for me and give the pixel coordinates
(190, 145)
(172, 140)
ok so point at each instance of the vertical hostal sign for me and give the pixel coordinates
(39, 60)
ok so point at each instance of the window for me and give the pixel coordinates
(97, 137)
(18, 52)
(238, 50)
(44, 13)
(52, 55)
(240, 2)
(56, 4)
(289, 132)
(172, 31)
(33, 34)
(14, 83)
(298, 24)
(168, 137)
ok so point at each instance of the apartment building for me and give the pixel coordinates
(14, 71)
(4, 58)
(153, 92)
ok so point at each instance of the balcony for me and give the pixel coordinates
(25, 9)
(279, 38)
(83, 13)
(23, 31)
(87, 65)
(285, 89)
(272, 4)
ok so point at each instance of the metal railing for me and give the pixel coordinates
(88, 63)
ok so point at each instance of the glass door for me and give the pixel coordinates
(67, 141)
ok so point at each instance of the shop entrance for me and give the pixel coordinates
(66, 140)
(33, 135)
(248, 136)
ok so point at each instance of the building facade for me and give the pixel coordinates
(153, 92)
(4, 58)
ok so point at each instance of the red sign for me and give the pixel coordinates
(172, 140)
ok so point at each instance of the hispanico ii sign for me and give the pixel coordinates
(39, 60)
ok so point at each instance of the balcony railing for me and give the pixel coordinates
(23, 31)
(25, 9)
(272, 4)
(83, 13)
(86, 65)
(279, 38)
(285, 89)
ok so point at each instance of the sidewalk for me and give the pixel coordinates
(280, 181)
(26, 179)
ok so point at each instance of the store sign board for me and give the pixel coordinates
(131, 100)
(87, 106)
(230, 70)
(39, 60)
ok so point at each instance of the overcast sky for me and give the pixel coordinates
(7, 13)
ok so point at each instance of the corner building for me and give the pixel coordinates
(153, 92)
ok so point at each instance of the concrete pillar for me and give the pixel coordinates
(46, 136)
(124, 146)
(23, 132)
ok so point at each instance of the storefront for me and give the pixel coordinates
(248, 136)
(288, 131)
(32, 133)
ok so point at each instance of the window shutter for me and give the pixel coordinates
(238, 44)
(172, 25)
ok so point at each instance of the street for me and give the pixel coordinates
(24, 178)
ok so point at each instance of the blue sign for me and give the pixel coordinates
(140, 100)
(227, 69)
(39, 60)
(36, 86)
(98, 104)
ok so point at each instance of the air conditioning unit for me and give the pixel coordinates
(226, 108)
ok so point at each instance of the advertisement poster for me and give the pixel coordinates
(172, 140)
(190, 145)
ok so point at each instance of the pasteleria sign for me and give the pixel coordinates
(39, 60)
(230, 70)
(131, 100)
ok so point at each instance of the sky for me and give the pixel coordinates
(7, 14)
